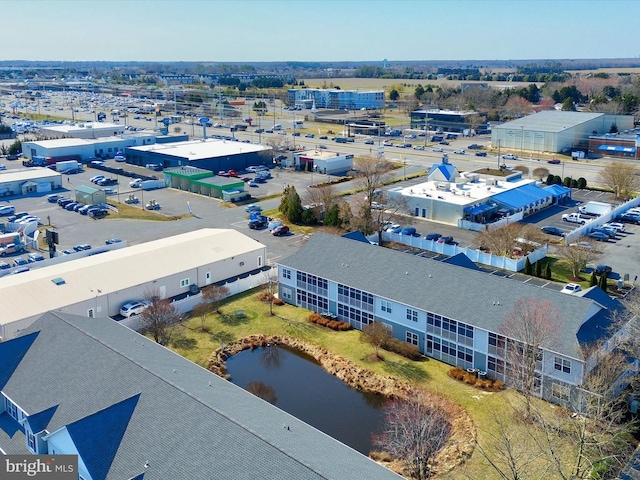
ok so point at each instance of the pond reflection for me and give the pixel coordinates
(296, 383)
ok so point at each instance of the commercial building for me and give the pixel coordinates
(323, 161)
(98, 285)
(85, 148)
(83, 130)
(462, 122)
(29, 180)
(205, 182)
(210, 154)
(413, 296)
(336, 99)
(555, 131)
(129, 408)
(623, 145)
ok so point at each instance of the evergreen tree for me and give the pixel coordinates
(527, 267)
(547, 271)
(593, 281)
(332, 217)
(603, 283)
(538, 265)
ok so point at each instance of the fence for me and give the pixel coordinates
(588, 227)
(475, 255)
(479, 227)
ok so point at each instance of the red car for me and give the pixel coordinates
(281, 230)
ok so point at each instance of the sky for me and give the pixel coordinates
(317, 31)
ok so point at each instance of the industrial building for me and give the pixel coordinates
(556, 131)
(462, 122)
(205, 182)
(29, 180)
(209, 154)
(98, 285)
(83, 130)
(412, 295)
(84, 148)
(323, 161)
(128, 408)
(335, 98)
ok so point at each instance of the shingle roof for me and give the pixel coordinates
(459, 293)
(188, 423)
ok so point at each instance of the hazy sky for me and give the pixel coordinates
(310, 30)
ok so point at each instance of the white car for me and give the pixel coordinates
(571, 288)
(459, 151)
(509, 156)
(7, 210)
(438, 149)
(96, 178)
(134, 308)
(619, 227)
(419, 147)
(376, 206)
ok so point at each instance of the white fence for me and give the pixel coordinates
(480, 227)
(588, 227)
(475, 255)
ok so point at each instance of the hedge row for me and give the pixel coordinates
(471, 379)
(412, 352)
(325, 322)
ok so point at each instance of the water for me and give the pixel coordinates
(296, 384)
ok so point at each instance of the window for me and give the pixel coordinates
(91, 313)
(12, 409)
(412, 338)
(560, 391)
(412, 315)
(562, 365)
(286, 293)
(259, 261)
(31, 441)
(385, 306)
(286, 273)
(184, 282)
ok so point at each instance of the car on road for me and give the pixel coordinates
(603, 270)
(279, 231)
(475, 146)
(323, 147)
(7, 210)
(438, 149)
(599, 236)
(554, 161)
(443, 142)
(481, 154)
(323, 137)
(551, 230)
(369, 142)
(134, 308)
(459, 151)
(388, 144)
(419, 147)
(509, 156)
(34, 257)
(571, 288)
(309, 135)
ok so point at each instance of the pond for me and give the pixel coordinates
(295, 383)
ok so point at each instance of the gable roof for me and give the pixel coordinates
(447, 170)
(356, 235)
(462, 294)
(187, 422)
(461, 260)
(39, 421)
(11, 354)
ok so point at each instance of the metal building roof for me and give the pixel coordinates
(200, 150)
(549, 121)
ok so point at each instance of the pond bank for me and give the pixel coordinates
(460, 445)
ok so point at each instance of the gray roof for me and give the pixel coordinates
(187, 423)
(465, 295)
(550, 121)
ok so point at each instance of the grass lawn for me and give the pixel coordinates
(197, 345)
(138, 213)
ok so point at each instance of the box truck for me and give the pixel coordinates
(152, 184)
(595, 208)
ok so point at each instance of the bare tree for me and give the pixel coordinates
(271, 288)
(372, 173)
(541, 173)
(530, 326)
(517, 107)
(415, 430)
(577, 255)
(323, 195)
(211, 298)
(375, 334)
(393, 209)
(621, 178)
(159, 318)
(522, 168)
(502, 240)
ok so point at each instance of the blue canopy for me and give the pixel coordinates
(526, 196)
(617, 148)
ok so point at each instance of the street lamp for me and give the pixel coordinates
(404, 163)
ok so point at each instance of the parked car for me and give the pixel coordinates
(53, 198)
(603, 270)
(395, 229)
(509, 156)
(447, 240)
(7, 210)
(257, 224)
(376, 206)
(35, 257)
(71, 206)
(615, 225)
(432, 236)
(599, 236)
(98, 213)
(96, 178)
(252, 208)
(19, 262)
(111, 241)
(629, 218)
(408, 231)
(81, 247)
(4, 266)
(63, 201)
(551, 230)
(105, 182)
(134, 308)
(607, 231)
(281, 230)
(252, 183)
(571, 288)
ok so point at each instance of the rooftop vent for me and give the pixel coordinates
(59, 281)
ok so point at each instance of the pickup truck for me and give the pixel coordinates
(574, 218)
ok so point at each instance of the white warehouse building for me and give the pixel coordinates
(83, 130)
(555, 131)
(323, 161)
(98, 285)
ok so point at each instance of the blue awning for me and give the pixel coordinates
(526, 196)
(478, 209)
(617, 148)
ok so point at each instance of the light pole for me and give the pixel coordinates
(404, 163)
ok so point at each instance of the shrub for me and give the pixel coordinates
(278, 301)
(457, 373)
(582, 183)
(380, 456)
(407, 350)
(470, 378)
(344, 326)
(323, 321)
(313, 318)
(498, 384)
(333, 324)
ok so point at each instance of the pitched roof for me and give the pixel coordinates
(356, 235)
(458, 293)
(39, 421)
(187, 423)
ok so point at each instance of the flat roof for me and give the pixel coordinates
(201, 150)
(549, 121)
(81, 127)
(26, 174)
(116, 270)
(321, 154)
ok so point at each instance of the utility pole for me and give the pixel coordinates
(498, 154)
